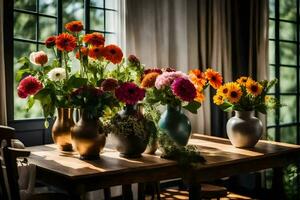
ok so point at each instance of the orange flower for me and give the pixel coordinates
(95, 39)
(199, 96)
(96, 52)
(113, 53)
(50, 41)
(65, 42)
(215, 79)
(74, 26)
(149, 80)
(253, 88)
(242, 80)
(234, 92)
(197, 78)
(84, 52)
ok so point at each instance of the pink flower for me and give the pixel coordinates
(39, 58)
(129, 93)
(29, 86)
(184, 89)
(167, 78)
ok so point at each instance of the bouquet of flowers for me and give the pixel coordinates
(246, 94)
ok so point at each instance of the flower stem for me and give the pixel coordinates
(66, 65)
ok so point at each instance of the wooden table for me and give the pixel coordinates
(67, 172)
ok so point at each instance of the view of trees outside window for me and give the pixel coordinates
(35, 20)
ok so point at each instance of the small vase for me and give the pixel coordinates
(87, 137)
(130, 146)
(61, 130)
(244, 129)
(176, 124)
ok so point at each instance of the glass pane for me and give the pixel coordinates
(288, 79)
(271, 118)
(271, 29)
(47, 28)
(72, 10)
(288, 31)
(271, 77)
(25, 4)
(288, 53)
(23, 22)
(271, 52)
(112, 4)
(288, 134)
(272, 8)
(288, 113)
(48, 7)
(271, 134)
(111, 39)
(288, 9)
(97, 19)
(97, 3)
(111, 21)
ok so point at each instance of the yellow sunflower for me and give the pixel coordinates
(242, 80)
(254, 88)
(223, 90)
(234, 92)
(218, 99)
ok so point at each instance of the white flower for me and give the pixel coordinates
(57, 74)
(39, 58)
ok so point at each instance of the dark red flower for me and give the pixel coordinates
(184, 89)
(96, 52)
(65, 42)
(50, 41)
(134, 60)
(74, 26)
(29, 86)
(169, 69)
(94, 39)
(129, 93)
(109, 84)
(113, 53)
(22, 94)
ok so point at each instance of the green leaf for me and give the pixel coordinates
(76, 82)
(262, 108)
(226, 106)
(24, 61)
(193, 106)
(21, 72)
(30, 102)
(42, 94)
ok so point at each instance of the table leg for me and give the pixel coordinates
(141, 191)
(194, 191)
(127, 192)
(107, 194)
(277, 184)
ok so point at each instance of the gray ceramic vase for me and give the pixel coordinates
(244, 129)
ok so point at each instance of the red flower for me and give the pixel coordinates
(113, 53)
(134, 60)
(74, 26)
(50, 41)
(29, 86)
(84, 52)
(96, 52)
(65, 42)
(109, 84)
(129, 93)
(183, 89)
(94, 39)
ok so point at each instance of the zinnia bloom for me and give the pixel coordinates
(94, 39)
(29, 86)
(218, 99)
(96, 52)
(129, 93)
(198, 78)
(39, 58)
(215, 79)
(200, 97)
(50, 41)
(57, 74)
(65, 42)
(149, 80)
(74, 26)
(113, 53)
(242, 80)
(109, 84)
(167, 78)
(184, 89)
(234, 92)
(254, 88)
(134, 60)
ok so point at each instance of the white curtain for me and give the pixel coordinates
(3, 116)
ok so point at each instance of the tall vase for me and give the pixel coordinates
(176, 124)
(130, 145)
(244, 129)
(61, 130)
(87, 137)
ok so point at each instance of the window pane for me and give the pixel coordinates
(97, 3)
(288, 53)
(271, 134)
(111, 39)
(288, 113)
(72, 10)
(271, 77)
(25, 4)
(271, 117)
(49, 52)
(97, 19)
(288, 79)
(288, 31)
(272, 8)
(271, 52)
(271, 29)
(47, 28)
(48, 7)
(111, 21)
(288, 9)
(24, 22)
(288, 134)
(112, 4)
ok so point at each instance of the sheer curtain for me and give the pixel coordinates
(3, 117)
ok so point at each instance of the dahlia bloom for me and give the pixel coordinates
(65, 42)
(113, 53)
(109, 84)
(74, 26)
(50, 41)
(129, 93)
(184, 89)
(94, 39)
(57, 74)
(167, 78)
(149, 80)
(29, 86)
(39, 58)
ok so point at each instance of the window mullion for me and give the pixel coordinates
(87, 15)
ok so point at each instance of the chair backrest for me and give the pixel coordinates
(7, 134)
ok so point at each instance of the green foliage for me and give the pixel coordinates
(192, 106)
